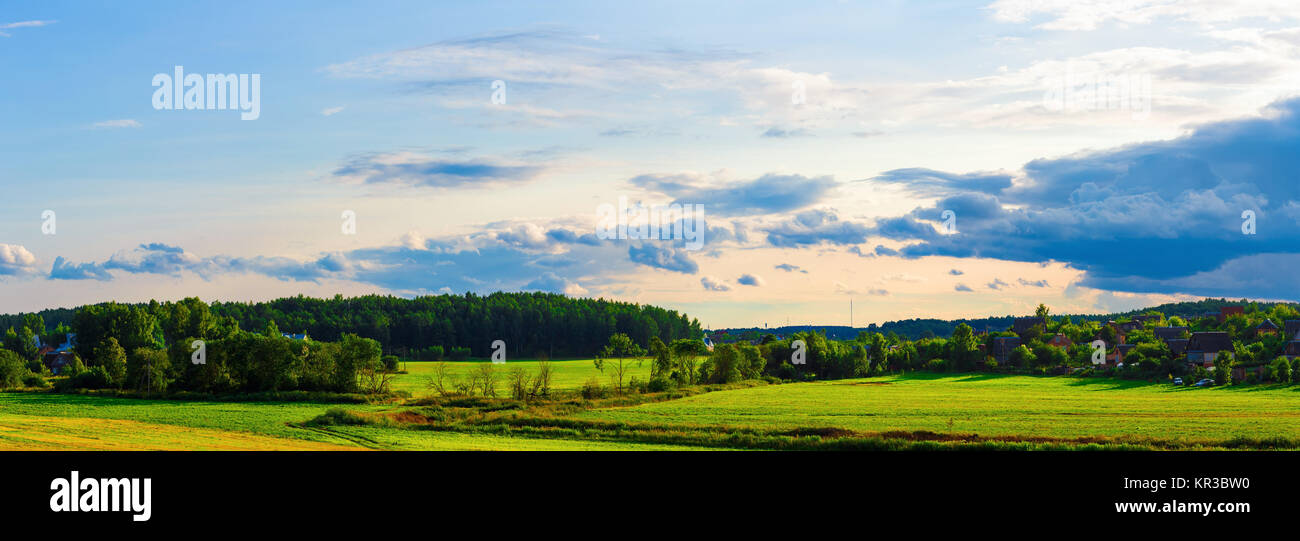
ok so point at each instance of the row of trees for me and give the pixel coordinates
(1150, 357)
(186, 346)
(531, 324)
(241, 363)
(521, 383)
(424, 328)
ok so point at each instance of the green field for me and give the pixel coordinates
(990, 406)
(566, 375)
(37, 421)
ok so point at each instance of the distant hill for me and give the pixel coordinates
(917, 328)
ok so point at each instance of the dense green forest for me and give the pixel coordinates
(531, 324)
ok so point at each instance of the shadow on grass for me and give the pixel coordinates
(1112, 384)
(1257, 387)
(956, 377)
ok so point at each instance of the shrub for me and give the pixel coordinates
(1023, 357)
(458, 354)
(1222, 374)
(431, 353)
(340, 416)
(592, 390)
(463, 384)
(487, 379)
(390, 362)
(12, 369)
(440, 381)
(73, 367)
(35, 366)
(659, 384)
(1282, 370)
(34, 380)
(96, 377)
(517, 381)
(541, 384)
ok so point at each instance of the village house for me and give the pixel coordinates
(1002, 347)
(1292, 350)
(1147, 319)
(1021, 325)
(1267, 327)
(1061, 341)
(1127, 326)
(1204, 347)
(1115, 355)
(1292, 329)
(1173, 337)
(1227, 311)
(57, 358)
(1169, 333)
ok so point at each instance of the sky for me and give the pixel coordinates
(931, 159)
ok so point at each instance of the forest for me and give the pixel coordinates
(531, 324)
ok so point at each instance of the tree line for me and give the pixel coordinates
(150, 346)
(531, 324)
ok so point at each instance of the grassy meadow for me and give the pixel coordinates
(966, 408)
(990, 405)
(567, 375)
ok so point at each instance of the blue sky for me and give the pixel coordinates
(825, 141)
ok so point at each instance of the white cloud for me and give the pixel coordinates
(413, 240)
(15, 260)
(331, 111)
(570, 79)
(22, 24)
(120, 123)
(713, 284)
(1080, 15)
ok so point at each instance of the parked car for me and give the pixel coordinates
(1178, 381)
(1205, 383)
